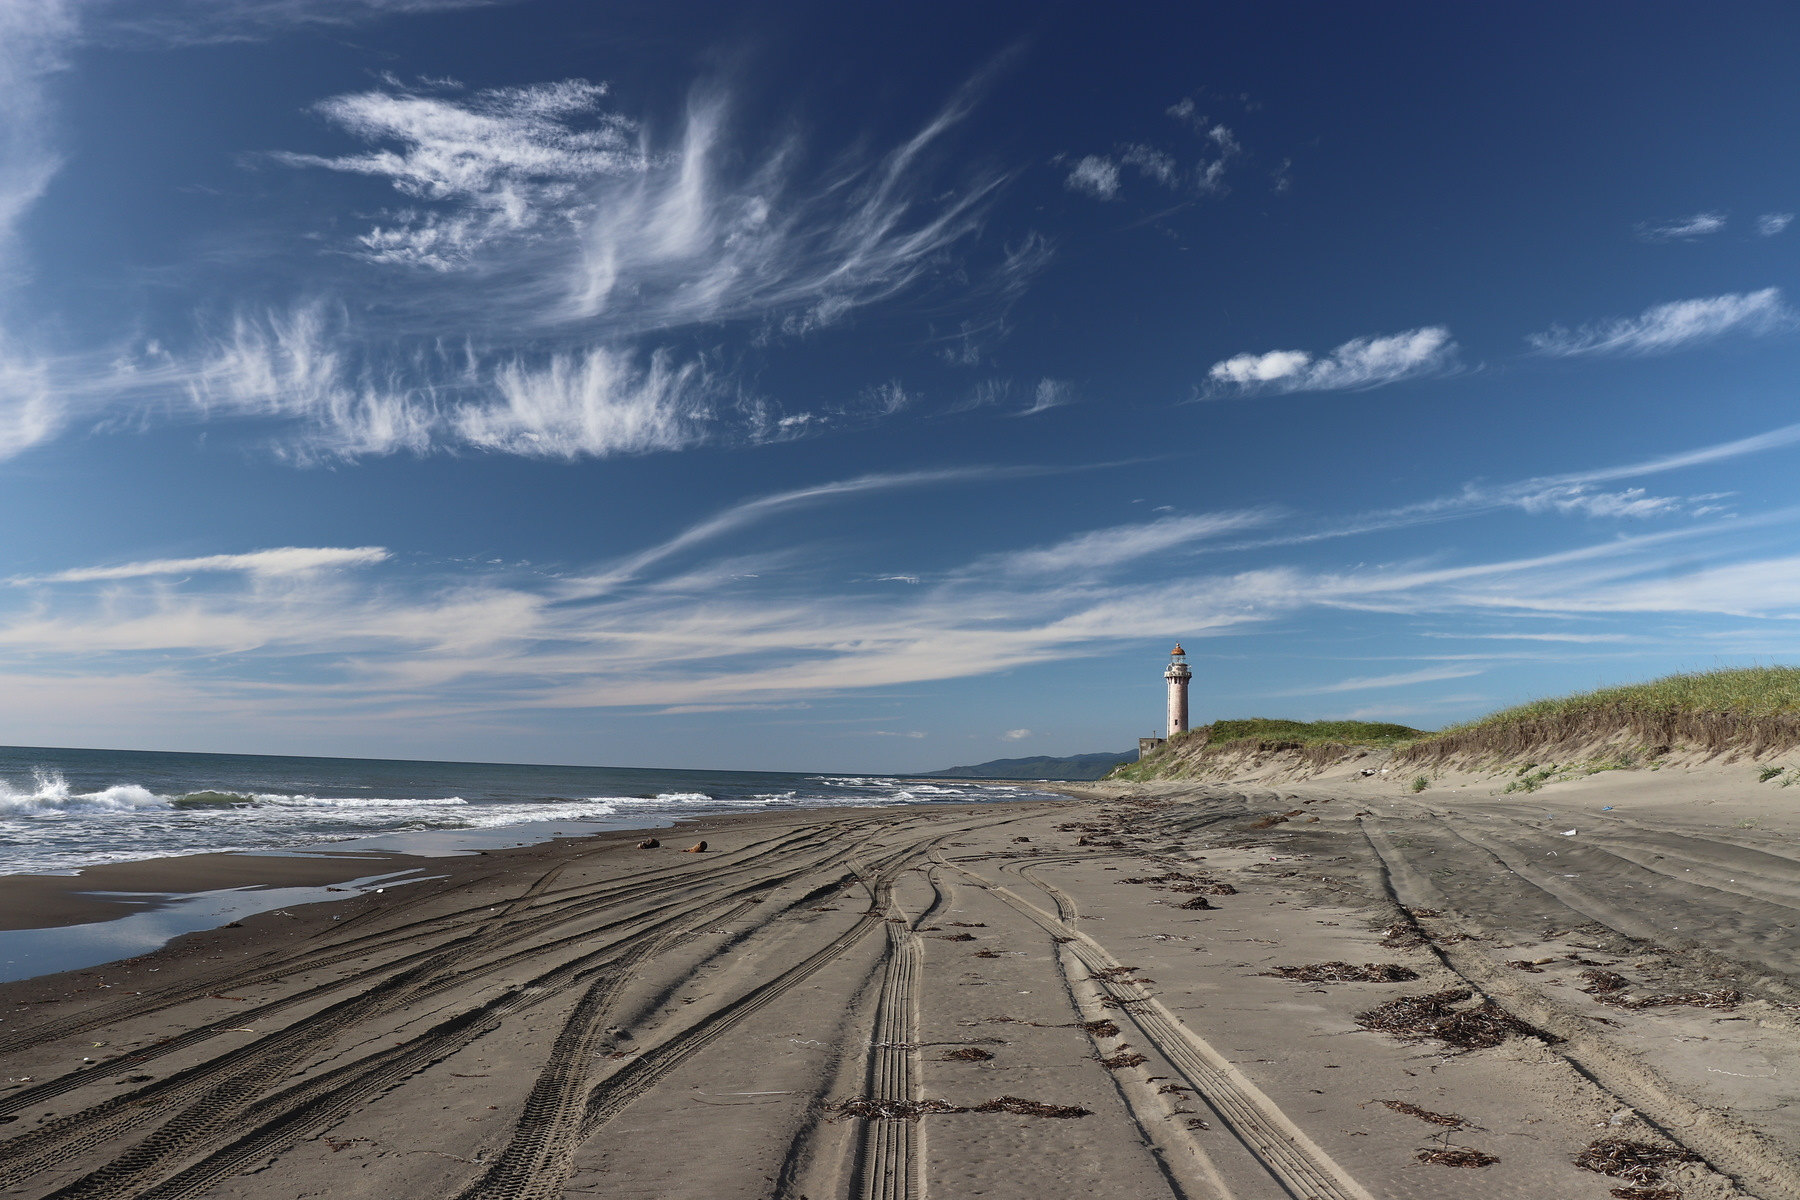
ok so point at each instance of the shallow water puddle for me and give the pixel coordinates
(28, 952)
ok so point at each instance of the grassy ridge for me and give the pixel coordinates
(1319, 741)
(1745, 709)
(1312, 733)
(1745, 691)
(1752, 708)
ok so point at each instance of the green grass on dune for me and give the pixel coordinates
(1742, 708)
(1754, 709)
(1741, 691)
(1313, 733)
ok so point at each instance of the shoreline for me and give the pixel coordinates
(94, 901)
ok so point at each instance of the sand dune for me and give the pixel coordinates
(1045, 999)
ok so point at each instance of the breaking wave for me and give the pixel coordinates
(48, 823)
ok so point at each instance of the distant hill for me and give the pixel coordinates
(1074, 768)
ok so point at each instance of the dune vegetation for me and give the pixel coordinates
(1747, 710)
(1315, 742)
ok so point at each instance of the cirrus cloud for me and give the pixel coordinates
(1356, 365)
(287, 560)
(1677, 325)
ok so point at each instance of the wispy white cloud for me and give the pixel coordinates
(1094, 174)
(1016, 735)
(1674, 326)
(888, 398)
(694, 239)
(537, 211)
(597, 405)
(490, 641)
(1152, 164)
(1107, 549)
(1098, 175)
(1356, 365)
(1770, 224)
(1187, 112)
(501, 163)
(287, 560)
(1576, 498)
(1577, 638)
(1400, 679)
(752, 512)
(36, 37)
(207, 22)
(1682, 228)
(1050, 393)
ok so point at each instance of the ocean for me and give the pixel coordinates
(61, 810)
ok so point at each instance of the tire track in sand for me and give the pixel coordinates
(889, 1153)
(216, 1090)
(1749, 1157)
(1293, 1161)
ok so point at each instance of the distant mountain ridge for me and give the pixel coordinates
(1074, 768)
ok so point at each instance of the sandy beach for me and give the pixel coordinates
(1332, 989)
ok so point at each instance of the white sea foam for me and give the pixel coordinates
(176, 807)
(52, 796)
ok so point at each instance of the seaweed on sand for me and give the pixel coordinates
(1124, 1058)
(1415, 1018)
(1599, 981)
(1457, 1158)
(1723, 999)
(890, 1110)
(1343, 972)
(1448, 1120)
(1637, 1162)
(912, 1110)
(1031, 1108)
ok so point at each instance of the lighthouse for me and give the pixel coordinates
(1178, 676)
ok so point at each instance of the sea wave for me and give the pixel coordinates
(53, 796)
(47, 823)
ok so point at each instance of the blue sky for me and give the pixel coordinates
(797, 386)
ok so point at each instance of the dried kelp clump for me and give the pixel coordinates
(1031, 1108)
(1182, 881)
(1125, 1058)
(1415, 1018)
(890, 1110)
(1637, 1162)
(912, 1110)
(1448, 1120)
(1723, 999)
(1599, 981)
(1457, 1158)
(1343, 972)
(967, 1054)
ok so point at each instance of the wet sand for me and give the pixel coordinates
(1023, 1000)
(47, 901)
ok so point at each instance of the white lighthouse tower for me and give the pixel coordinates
(1178, 676)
